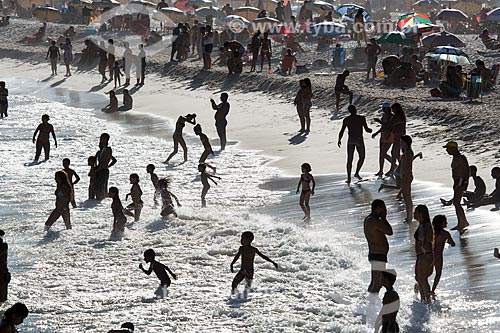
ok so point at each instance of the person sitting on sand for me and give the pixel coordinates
(489, 42)
(355, 125)
(113, 103)
(471, 196)
(485, 73)
(70, 33)
(452, 86)
(288, 62)
(390, 304)
(234, 64)
(127, 101)
(341, 88)
(37, 37)
(305, 179)
(441, 237)
(389, 64)
(494, 197)
(403, 76)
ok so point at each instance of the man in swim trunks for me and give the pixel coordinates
(4, 104)
(460, 173)
(105, 160)
(221, 112)
(372, 51)
(376, 230)
(43, 138)
(341, 88)
(355, 124)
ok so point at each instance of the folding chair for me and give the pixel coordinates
(474, 88)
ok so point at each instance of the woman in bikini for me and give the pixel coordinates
(307, 95)
(178, 139)
(441, 237)
(397, 127)
(305, 181)
(424, 241)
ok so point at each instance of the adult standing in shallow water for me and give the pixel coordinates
(178, 139)
(12, 317)
(43, 138)
(63, 199)
(460, 173)
(300, 106)
(424, 240)
(376, 229)
(355, 124)
(441, 237)
(4, 104)
(105, 160)
(386, 139)
(4, 270)
(221, 112)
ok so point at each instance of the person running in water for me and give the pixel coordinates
(158, 268)
(135, 194)
(221, 112)
(43, 138)
(460, 173)
(204, 177)
(305, 180)
(167, 207)
(178, 139)
(355, 125)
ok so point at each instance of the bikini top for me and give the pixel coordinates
(304, 178)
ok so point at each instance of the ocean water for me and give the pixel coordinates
(79, 281)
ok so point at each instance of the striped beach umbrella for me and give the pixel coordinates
(412, 19)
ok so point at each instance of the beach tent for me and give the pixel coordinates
(443, 38)
(426, 5)
(47, 14)
(412, 19)
(328, 29)
(452, 14)
(321, 7)
(493, 15)
(395, 37)
(250, 13)
(348, 11)
(209, 11)
(449, 53)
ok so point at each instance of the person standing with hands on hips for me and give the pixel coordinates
(221, 112)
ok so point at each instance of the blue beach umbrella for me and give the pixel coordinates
(348, 11)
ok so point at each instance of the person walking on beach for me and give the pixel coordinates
(386, 141)
(119, 218)
(111, 58)
(397, 128)
(71, 173)
(105, 160)
(135, 194)
(265, 51)
(390, 304)
(177, 137)
(204, 177)
(376, 229)
(63, 198)
(424, 241)
(441, 237)
(299, 104)
(206, 144)
(42, 141)
(372, 51)
(128, 61)
(4, 104)
(54, 55)
(207, 45)
(167, 207)
(221, 112)
(471, 196)
(12, 317)
(103, 61)
(68, 55)
(254, 48)
(305, 181)
(247, 253)
(307, 96)
(141, 66)
(355, 125)
(4, 270)
(341, 88)
(159, 269)
(460, 173)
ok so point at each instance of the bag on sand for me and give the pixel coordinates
(435, 92)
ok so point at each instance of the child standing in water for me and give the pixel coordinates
(135, 193)
(247, 253)
(441, 237)
(70, 172)
(91, 162)
(167, 207)
(205, 176)
(4, 105)
(206, 144)
(63, 198)
(159, 269)
(119, 219)
(305, 180)
(387, 316)
(154, 179)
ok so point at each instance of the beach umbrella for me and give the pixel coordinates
(175, 14)
(348, 11)
(420, 28)
(443, 38)
(412, 19)
(47, 14)
(199, 3)
(209, 11)
(452, 14)
(265, 23)
(105, 3)
(80, 3)
(321, 7)
(493, 15)
(460, 60)
(449, 50)
(144, 3)
(395, 37)
(231, 18)
(328, 29)
(426, 5)
(250, 13)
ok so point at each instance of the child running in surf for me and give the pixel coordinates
(119, 219)
(158, 268)
(247, 253)
(166, 198)
(205, 176)
(154, 179)
(305, 181)
(206, 144)
(135, 193)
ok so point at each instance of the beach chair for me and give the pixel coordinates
(474, 88)
(338, 57)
